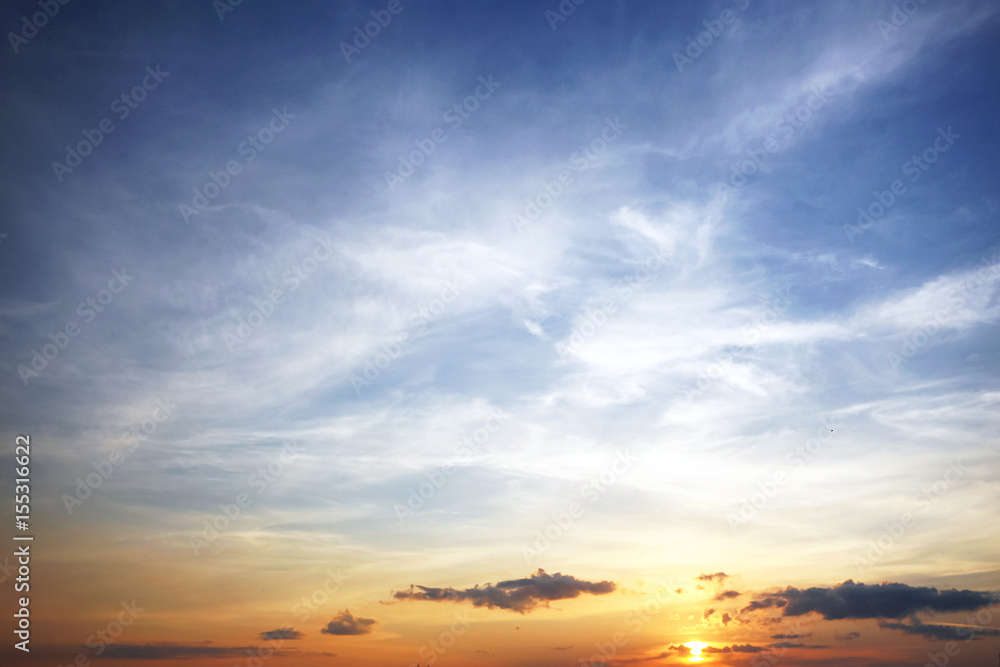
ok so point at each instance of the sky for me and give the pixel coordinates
(501, 333)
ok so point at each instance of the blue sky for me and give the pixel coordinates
(590, 256)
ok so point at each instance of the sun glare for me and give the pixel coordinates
(696, 648)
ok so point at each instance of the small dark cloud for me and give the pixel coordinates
(708, 612)
(735, 648)
(796, 645)
(281, 633)
(728, 595)
(726, 618)
(520, 595)
(886, 600)
(678, 590)
(718, 577)
(847, 636)
(940, 632)
(345, 623)
(745, 648)
(561, 648)
(788, 636)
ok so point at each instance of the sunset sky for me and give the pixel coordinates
(526, 334)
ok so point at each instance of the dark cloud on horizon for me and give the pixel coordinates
(847, 636)
(520, 595)
(940, 632)
(851, 600)
(281, 633)
(795, 645)
(788, 636)
(168, 651)
(345, 623)
(735, 648)
(163, 651)
(717, 577)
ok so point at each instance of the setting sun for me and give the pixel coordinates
(696, 649)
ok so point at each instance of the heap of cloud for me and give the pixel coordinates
(345, 623)
(851, 600)
(520, 595)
